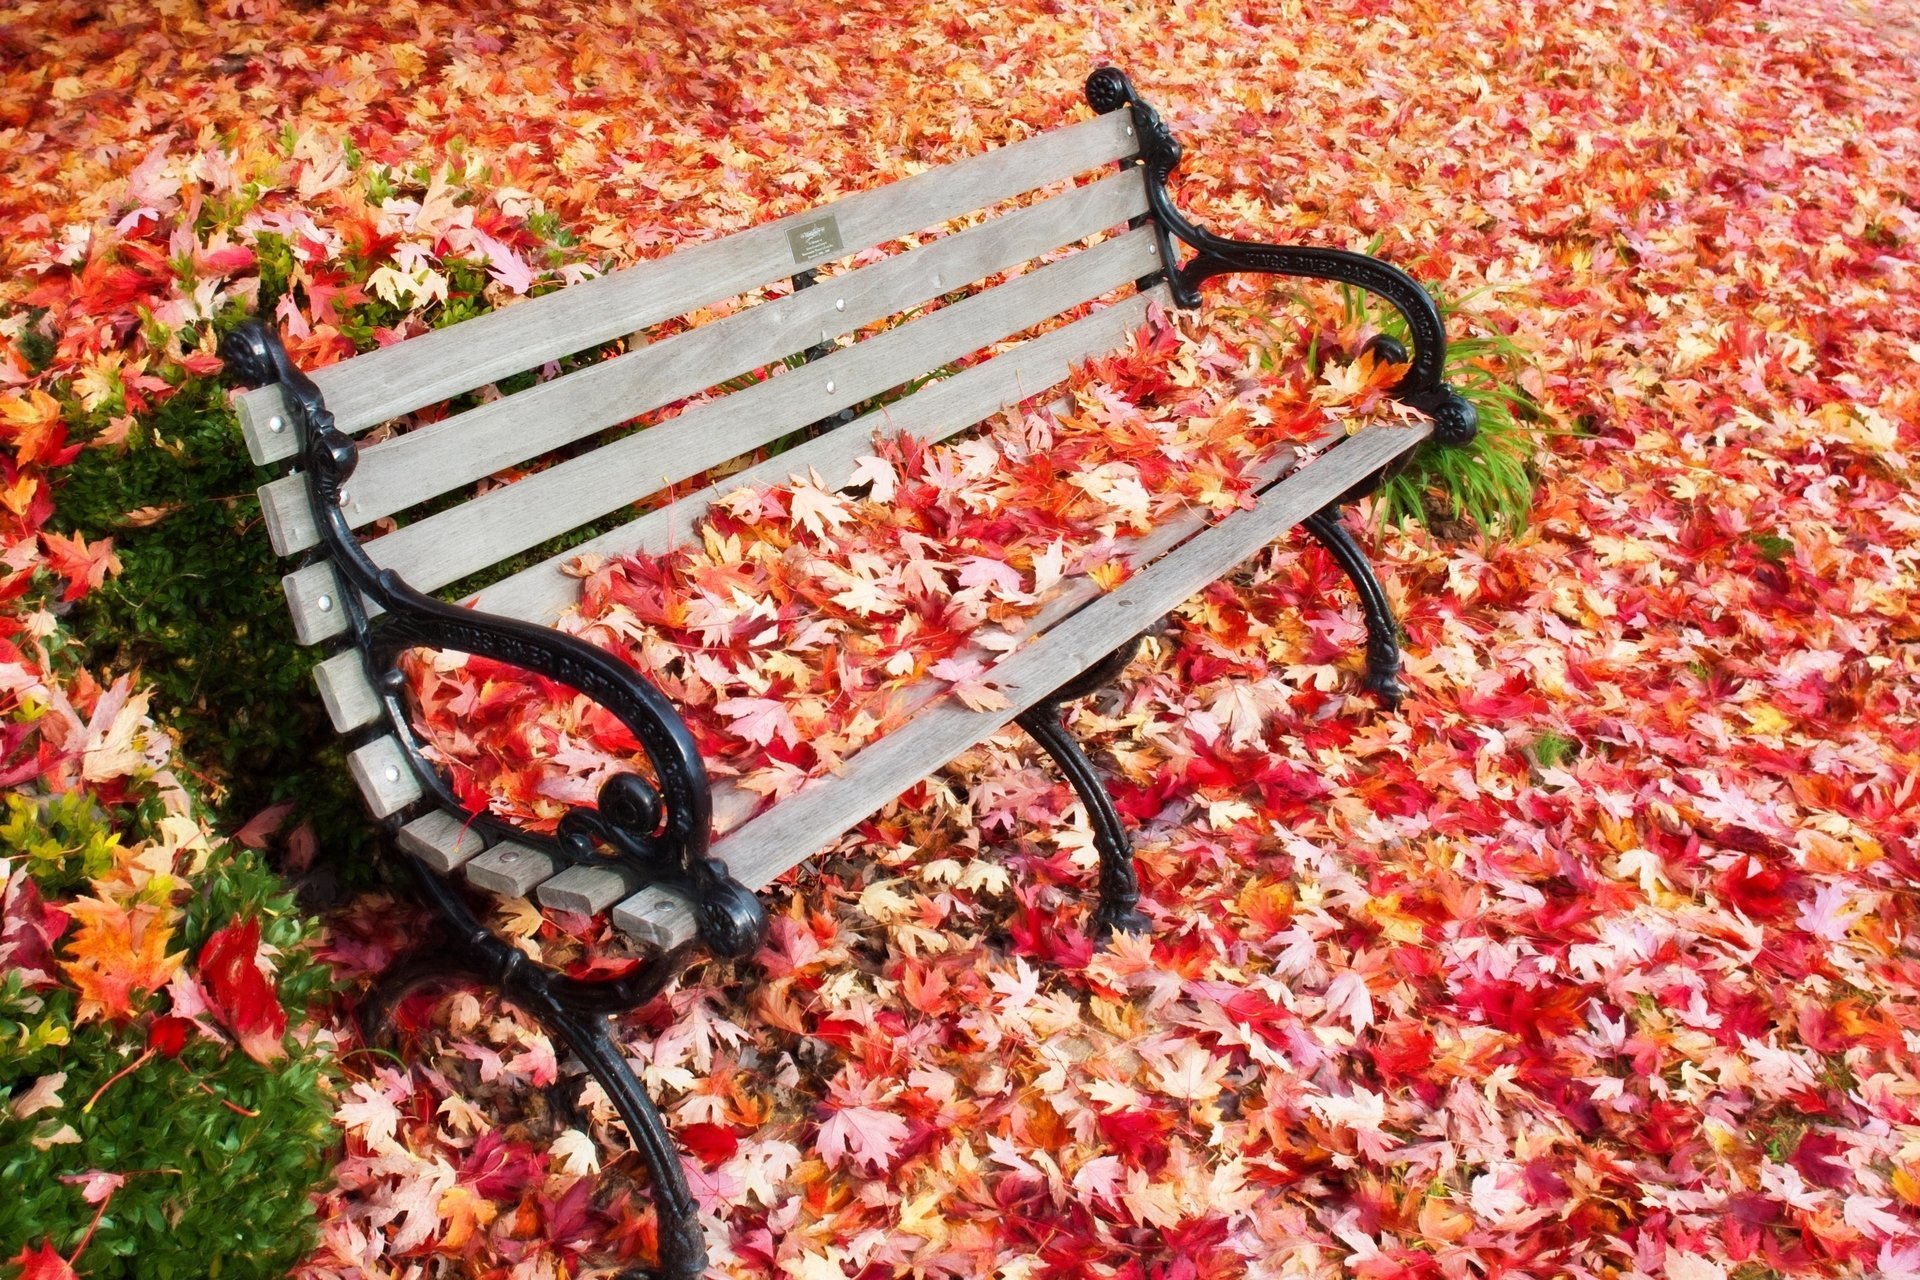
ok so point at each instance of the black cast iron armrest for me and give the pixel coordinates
(1423, 386)
(659, 829)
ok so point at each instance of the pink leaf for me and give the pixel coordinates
(263, 824)
(862, 1135)
(503, 264)
(758, 719)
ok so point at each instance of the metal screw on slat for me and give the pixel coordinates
(839, 304)
(324, 603)
(393, 774)
(829, 384)
(276, 423)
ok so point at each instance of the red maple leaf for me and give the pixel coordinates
(42, 1264)
(243, 996)
(84, 567)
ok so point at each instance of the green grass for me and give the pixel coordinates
(1487, 484)
(1551, 750)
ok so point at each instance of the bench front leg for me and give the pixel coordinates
(577, 1014)
(1455, 420)
(1045, 722)
(1383, 629)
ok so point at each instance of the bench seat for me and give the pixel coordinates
(759, 839)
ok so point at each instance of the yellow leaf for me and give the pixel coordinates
(1764, 718)
(520, 918)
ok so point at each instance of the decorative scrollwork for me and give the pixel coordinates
(1423, 386)
(629, 819)
(661, 828)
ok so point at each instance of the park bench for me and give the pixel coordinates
(677, 859)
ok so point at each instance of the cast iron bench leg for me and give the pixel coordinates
(1119, 909)
(578, 1016)
(1383, 630)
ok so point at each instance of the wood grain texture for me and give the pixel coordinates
(396, 474)
(825, 808)
(313, 598)
(442, 841)
(383, 384)
(287, 508)
(510, 869)
(345, 691)
(470, 537)
(657, 916)
(267, 441)
(940, 409)
(588, 891)
(384, 776)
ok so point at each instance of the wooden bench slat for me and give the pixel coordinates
(313, 598)
(658, 917)
(588, 891)
(449, 546)
(513, 870)
(349, 698)
(287, 508)
(810, 819)
(544, 591)
(427, 369)
(442, 841)
(396, 474)
(385, 777)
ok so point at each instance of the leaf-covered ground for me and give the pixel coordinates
(1597, 958)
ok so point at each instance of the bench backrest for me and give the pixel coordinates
(913, 313)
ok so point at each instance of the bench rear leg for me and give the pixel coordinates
(1383, 629)
(1119, 907)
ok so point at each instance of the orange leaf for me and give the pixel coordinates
(118, 953)
(84, 567)
(33, 423)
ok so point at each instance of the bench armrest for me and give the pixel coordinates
(660, 828)
(1424, 385)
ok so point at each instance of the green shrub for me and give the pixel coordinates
(198, 609)
(219, 1153)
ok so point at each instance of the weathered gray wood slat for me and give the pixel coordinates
(511, 869)
(476, 534)
(544, 591)
(433, 459)
(805, 822)
(349, 699)
(657, 917)
(385, 777)
(588, 891)
(442, 841)
(313, 598)
(424, 370)
(288, 511)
